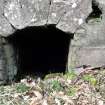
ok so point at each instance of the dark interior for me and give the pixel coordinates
(41, 50)
(96, 11)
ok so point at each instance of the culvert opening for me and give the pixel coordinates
(40, 50)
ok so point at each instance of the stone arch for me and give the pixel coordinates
(66, 15)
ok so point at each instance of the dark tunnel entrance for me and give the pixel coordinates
(41, 50)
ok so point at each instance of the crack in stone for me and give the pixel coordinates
(50, 3)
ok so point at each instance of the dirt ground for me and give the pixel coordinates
(86, 88)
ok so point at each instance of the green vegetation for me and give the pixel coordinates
(21, 88)
(70, 75)
(91, 79)
(56, 85)
(57, 89)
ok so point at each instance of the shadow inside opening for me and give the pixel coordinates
(40, 50)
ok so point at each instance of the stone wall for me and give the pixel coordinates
(66, 15)
(8, 67)
(88, 46)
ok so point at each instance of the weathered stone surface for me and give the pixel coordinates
(27, 13)
(57, 10)
(1, 6)
(41, 15)
(74, 15)
(10, 59)
(88, 45)
(67, 15)
(12, 13)
(5, 27)
(8, 67)
(3, 70)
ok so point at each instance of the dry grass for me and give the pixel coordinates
(57, 89)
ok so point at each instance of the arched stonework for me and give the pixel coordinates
(66, 15)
